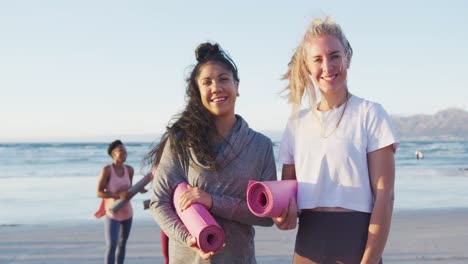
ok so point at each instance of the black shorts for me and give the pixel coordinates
(331, 237)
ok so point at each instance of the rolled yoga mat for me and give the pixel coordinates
(270, 198)
(200, 223)
(135, 188)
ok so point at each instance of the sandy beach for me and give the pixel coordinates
(427, 236)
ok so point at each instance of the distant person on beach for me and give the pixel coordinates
(419, 154)
(341, 151)
(216, 153)
(114, 181)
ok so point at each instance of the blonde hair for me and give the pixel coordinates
(298, 73)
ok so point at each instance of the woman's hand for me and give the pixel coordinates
(124, 195)
(148, 178)
(288, 218)
(192, 243)
(195, 195)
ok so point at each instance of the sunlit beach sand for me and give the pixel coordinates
(424, 236)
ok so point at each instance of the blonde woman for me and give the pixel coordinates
(341, 151)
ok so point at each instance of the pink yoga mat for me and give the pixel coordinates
(101, 211)
(270, 198)
(200, 223)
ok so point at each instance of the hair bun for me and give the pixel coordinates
(206, 51)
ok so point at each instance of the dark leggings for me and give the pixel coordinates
(116, 234)
(331, 237)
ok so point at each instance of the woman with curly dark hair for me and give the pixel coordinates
(216, 153)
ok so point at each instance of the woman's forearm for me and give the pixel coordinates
(379, 229)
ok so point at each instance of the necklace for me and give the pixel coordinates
(323, 129)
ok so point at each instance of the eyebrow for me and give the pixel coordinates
(220, 75)
(331, 53)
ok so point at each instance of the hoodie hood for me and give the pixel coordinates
(240, 136)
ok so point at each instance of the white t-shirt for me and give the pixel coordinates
(331, 167)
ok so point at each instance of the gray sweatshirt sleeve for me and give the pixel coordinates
(169, 173)
(236, 209)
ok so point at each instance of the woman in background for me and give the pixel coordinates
(114, 181)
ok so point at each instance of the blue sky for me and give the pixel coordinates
(72, 70)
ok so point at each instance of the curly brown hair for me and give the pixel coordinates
(192, 128)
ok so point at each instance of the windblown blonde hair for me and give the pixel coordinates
(298, 73)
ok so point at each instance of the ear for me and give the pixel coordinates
(237, 88)
(348, 61)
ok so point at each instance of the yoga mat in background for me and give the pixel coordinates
(269, 198)
(135, 189)
(200, 223)
(101, 211)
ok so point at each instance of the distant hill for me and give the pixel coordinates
(447, 125)
(450, 124)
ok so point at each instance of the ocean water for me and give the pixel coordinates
(56, 182)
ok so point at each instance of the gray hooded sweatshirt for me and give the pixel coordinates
(248, 155)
